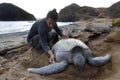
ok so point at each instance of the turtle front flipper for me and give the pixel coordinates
(50, 69)
(99, 61)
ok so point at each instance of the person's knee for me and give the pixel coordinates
(34, 41)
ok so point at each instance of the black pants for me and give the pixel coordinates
(52, 39)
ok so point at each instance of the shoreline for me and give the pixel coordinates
(13, 39)
(14, 33)
(10, 27)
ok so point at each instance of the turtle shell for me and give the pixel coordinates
(64, 46)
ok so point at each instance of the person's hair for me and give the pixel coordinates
(53, 15)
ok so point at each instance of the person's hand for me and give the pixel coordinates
(52, 57)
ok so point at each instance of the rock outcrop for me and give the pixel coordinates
(103, 13)
(114, 10)
(74, 12)
(10, 12)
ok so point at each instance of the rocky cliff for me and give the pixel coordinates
(114, 10)
(10, 12)
(74, 12)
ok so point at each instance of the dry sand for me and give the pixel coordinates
(13, 65)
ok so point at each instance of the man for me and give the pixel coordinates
(41, 33)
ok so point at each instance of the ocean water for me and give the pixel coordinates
(20, 26)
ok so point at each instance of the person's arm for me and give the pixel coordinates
(43, 40)
(60, 32)
(44, 44)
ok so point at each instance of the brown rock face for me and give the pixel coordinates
(74, 12)
(114, 10)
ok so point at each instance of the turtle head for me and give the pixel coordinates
(78, 57)
(79, 61)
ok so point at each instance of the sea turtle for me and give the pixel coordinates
(70, 51)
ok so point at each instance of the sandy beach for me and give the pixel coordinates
(98, 35)
(12, 39)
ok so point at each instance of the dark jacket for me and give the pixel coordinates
(40, 27)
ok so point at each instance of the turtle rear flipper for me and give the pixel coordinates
(99, 61)
(50, 69)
